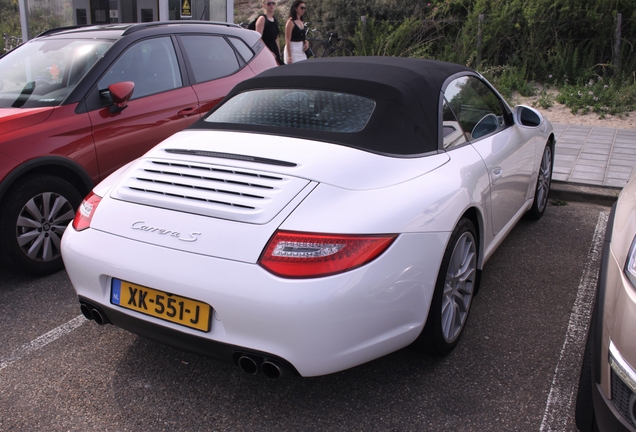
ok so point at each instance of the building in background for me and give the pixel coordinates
(132, 11)
(82, 12)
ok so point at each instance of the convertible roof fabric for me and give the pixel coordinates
(406, 92)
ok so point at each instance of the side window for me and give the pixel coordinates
(452, 130)
(242, 48)
(210, 57)
(477, 108)
(151, 64)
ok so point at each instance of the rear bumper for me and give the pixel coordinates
(316, 326)
(206, 347)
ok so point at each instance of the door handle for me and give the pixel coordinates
(496, 175)
(187, 112)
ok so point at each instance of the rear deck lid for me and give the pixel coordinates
(237, 194)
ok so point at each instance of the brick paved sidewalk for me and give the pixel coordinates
(594, 156)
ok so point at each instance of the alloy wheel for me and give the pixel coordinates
(545, 175)
(459, 287)
(40, 226)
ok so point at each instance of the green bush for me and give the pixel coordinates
(564, 39)
(9, 20)
(508, 79)
(42, 17)
(406, 39)
(615, 96)
(568, 44)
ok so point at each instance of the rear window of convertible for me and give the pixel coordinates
(318, 110)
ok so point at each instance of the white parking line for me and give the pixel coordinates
(43, 340)
(566, 375)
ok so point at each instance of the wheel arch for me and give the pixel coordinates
(57, 166)
(477, 218)
(552, 141)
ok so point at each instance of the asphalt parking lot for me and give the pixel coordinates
(516, 367)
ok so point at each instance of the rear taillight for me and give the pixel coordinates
(85, 212)
(307, 255)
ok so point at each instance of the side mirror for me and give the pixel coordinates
(121, 93)
(527, 116)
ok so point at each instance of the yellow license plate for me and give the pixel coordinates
(169, 307)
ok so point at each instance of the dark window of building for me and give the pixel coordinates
(81, 17)
(147, 15)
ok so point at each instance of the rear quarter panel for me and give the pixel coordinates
(262, 61)
(210, 93)
(432, 202)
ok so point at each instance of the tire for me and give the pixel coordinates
(584, 411)
(542, 189)
(456, 285)
(338, 51)
(33, 219)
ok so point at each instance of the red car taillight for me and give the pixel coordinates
(85, 212)
(307, 255)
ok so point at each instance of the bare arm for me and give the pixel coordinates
(260, 24)
(289, 26)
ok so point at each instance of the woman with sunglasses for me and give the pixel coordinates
(267, 26)
(295, 43)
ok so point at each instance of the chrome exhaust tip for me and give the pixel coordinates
(93, 312)
(271, 370)
(248, 365)
(98, 316)
(86, 311)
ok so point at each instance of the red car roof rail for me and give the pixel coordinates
(60, 29)
(141, 26)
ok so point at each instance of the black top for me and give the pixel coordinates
(407, 95)
(298, 34)
(270, 37)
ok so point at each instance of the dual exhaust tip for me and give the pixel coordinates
(251, 365)
(94, 313)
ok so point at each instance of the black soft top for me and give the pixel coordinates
(406, 93)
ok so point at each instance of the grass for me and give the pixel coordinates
(507, 80)
(558, 202)
(545, 100)
(603, 96)
(614, 95)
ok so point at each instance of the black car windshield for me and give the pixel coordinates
(42, 73)
(317, 110)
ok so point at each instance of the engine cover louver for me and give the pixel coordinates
(209, 190)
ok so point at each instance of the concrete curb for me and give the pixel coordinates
(583, 193)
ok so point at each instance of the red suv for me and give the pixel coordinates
(78, 103)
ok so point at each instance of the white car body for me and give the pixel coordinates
(209, 250)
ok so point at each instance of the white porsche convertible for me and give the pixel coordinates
(325, 214)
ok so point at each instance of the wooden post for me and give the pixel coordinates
(480, 36)
(617, 41)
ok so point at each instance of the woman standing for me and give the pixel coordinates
(267, 26)
(295, 43)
